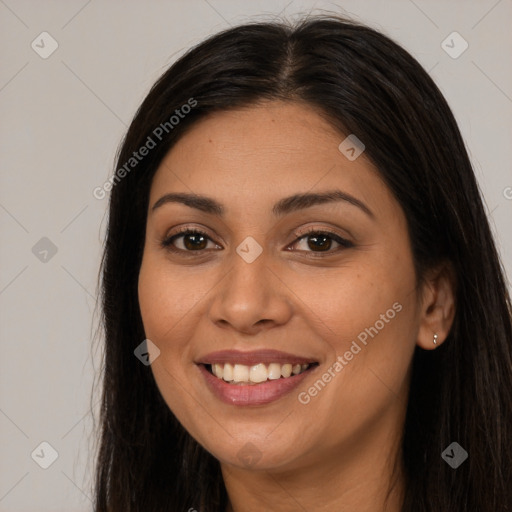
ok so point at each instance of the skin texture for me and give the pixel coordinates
(344, 441)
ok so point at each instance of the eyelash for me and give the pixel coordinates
(167, 243)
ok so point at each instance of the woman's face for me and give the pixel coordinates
(256, 296)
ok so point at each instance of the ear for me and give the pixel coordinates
(437, 309)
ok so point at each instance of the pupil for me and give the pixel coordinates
(195, 244)
(324, 245)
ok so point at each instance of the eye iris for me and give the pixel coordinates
(323, 245)
(196, 244)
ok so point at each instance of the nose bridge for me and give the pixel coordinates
(251, 292)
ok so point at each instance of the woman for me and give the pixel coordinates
(303, 305)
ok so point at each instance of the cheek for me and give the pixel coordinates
(152, 300)
(166, 297)
(369, 311)
(165, 300)
(376, 319)
(341, 303)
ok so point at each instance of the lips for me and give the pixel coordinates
(239, 388)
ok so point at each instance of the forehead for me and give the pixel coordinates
(257, 155)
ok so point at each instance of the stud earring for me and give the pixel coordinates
(435, 339)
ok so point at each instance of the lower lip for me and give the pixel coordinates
(252, 394)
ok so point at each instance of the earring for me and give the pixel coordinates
(435, 339)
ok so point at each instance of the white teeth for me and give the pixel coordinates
(274, 371)
(227, 372)
(241, 373)
(218, 370)
(257, 373)
(286, 370)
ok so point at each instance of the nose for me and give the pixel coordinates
(251, 298)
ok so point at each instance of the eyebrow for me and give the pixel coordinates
(282, 207)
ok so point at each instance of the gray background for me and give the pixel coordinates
(62, 119)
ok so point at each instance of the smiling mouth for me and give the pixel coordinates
(240, 374)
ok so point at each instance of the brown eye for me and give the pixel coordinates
(321, 241)
(192, 240)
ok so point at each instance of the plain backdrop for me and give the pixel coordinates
(62, 118)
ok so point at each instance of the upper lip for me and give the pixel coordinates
(251, 358)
